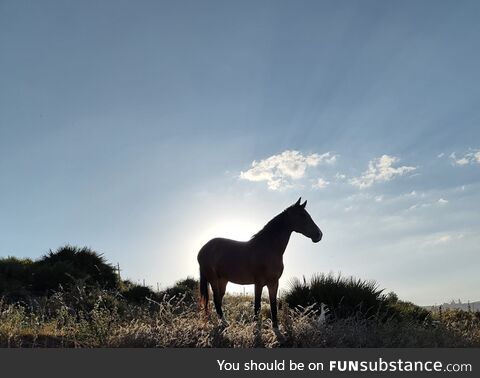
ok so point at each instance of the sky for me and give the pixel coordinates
(142, 129)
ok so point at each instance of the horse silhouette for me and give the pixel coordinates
(258, 261)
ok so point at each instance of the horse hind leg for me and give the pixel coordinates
(219, 289)
(203, 292)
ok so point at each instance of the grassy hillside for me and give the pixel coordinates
(81, 304)
(113, 322)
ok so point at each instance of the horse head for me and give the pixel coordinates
(302, 222)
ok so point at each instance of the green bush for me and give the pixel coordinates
(64, 269)
(16, 277)
(76, 274)
(139, 294)
(68, 265)
(186, 289)
(344, 296)
(401, 310)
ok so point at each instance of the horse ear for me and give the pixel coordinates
(304, 204)
(298, 202)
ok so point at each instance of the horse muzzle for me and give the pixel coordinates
(317, 237)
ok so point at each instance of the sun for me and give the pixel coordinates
(241, 230)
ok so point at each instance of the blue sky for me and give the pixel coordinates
(144, 128)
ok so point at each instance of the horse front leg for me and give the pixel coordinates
(272, 293)
(258, 299)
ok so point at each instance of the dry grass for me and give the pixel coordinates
(174, 324)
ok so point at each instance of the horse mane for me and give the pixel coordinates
(275, 224)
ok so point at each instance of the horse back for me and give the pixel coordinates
(219, 248)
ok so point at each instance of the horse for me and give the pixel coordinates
(258, 261)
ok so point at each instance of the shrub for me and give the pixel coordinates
(139, 294)
(66, 268)
(16, 276)
(401, 310)
(186, 289)
(344, 296)
(69, 265)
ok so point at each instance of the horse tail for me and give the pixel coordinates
(203, 292)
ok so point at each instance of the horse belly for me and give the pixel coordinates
(252, 271)
(239, 272)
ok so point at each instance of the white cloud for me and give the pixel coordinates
(444, 238)
(378, 198)
(340, 176)
(419, 206)
(380, 170)
(279, 170)
(320, 184)
(410, 195)
(462, 161)
(327, 158)
(441, 155)
(472, 157)
(440, 202)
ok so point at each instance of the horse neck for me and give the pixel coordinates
(277, 239)
(280, 242)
